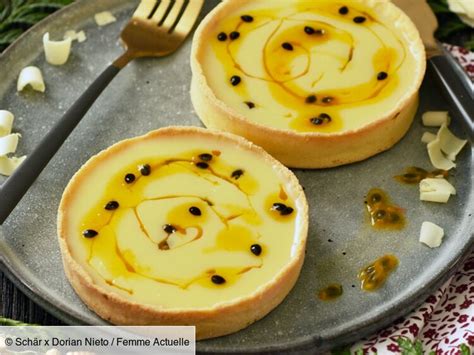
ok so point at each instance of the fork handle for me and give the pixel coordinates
(20, 181)
(457, 87)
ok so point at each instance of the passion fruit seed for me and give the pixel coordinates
(283, 209)
(321, 119)
(319, 32)
(90, 233)
(195, 211)
(222, 37)
(145, 169)
(359, 19)
(246, 18)
(309, 30)
(375, 198)
(250, 104)
(311, 99)
(236, 174)
(234, 35)
(344, 10)
(287, 46)
(382, 76)
(129, 178)
(327, 99)
(217, 279)
(168, 228)
(112, 205)
(380, 214)
(256, 249)
(202, 165)
(205, 157)
(235, 80)
(287, 211)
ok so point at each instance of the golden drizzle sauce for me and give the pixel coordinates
(373, 276)
(171, 221)
(413, 175)
(330, 293)
(292, 49)
(383, 214)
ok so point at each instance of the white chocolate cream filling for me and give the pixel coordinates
(183, 221)
(323, 66)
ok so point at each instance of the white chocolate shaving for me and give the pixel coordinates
(8, 144)
(6, 122)
(437, 157)
(449, 143)
(428, 137)
(436, 184)
(8, 165)
(75, 36)
(104, 18)
(435, 118)
(436, 190)
(57, 52)
(81, 36)
(31, 76)
(431, 234)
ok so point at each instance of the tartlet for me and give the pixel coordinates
(183, 226)
(316, 84)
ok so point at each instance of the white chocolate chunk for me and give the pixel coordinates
(57, 52)
(31, 76)
(75, 36)
(6, 122)
(431, 234)
(436, 184)
(8, 144)
(435, 196)
(81, 36)
(104, 18)
(437, 157)
(428, 137)
(70, 34)
(8, 165)
(436, 190)
(435, 118)
(449, 143)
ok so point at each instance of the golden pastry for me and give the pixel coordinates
(315, 83)
(183, 226)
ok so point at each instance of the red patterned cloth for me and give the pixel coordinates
(464, 57)
(445, 321)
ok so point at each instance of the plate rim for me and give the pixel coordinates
(304, 343)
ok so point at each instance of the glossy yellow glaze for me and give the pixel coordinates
(413, 175)
(383, 214)
(373, 276)
(338, 64)
(152, 249)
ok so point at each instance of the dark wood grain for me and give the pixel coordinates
(15, 305)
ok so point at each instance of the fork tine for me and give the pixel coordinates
(145, 8)
(173, 15)
(189, 17)
(161, 10)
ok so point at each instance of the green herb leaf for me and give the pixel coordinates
(410, 348)
(465, 350)
(22, 14)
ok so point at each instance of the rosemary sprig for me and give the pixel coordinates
(16, 16)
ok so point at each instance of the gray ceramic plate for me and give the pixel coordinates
(152, 93)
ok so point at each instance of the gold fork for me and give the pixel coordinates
(156, 29)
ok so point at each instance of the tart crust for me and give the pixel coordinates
(309, 149)
(218, 320)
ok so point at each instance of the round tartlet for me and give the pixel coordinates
(317, 84)
(183, 226)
